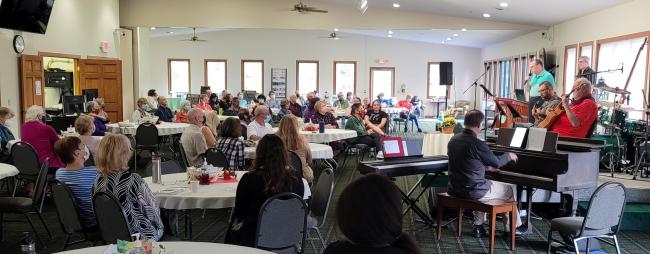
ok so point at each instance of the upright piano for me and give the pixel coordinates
(510, 111)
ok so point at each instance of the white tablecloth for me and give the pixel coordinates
(179, 248)
(223, 118)
(394, 110)
(7, 170)
(164, 128)
(329, 135)
(175, 193)
(435, 144)
(318, 151)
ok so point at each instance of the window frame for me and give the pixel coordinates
(205, 72)
(298, 62)
(447, 91)
(354, 84)
(169, 73)
(370, 95)
(243, 62)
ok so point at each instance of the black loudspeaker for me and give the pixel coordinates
(446, 73)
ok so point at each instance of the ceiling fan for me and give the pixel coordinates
(303, 8)
(194, 38)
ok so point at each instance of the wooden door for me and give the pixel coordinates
(106, 77)
(32, 87)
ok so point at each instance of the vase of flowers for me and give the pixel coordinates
(448, 125)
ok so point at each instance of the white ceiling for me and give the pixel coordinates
(528, 12)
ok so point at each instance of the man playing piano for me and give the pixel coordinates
(469, 158)
(548, 102)
(578, 116)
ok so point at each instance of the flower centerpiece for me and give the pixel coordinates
(448, 125)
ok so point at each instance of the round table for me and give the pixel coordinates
(329, 135)
(175, 193)
(177, 248)
(394, 110)
(164, 128)
(435, 144)
(7, 170)
(318, 151)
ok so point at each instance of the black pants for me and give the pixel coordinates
(533, 100)
(371, 140)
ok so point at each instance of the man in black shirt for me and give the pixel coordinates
(584, 71)
(163, 112)
(469, 158)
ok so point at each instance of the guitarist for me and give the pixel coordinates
(549, 100)
(578, 116)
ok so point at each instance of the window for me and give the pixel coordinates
(570, 59)
(345, 76)
(178, 71)
(215, 75)
(382, 80)
(307, 76)
(434, 89)
(613, 54)
(252, 75)
(586, 49)
(504, 79)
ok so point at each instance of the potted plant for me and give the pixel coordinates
(448, 125)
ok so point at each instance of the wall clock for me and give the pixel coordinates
(19, 44)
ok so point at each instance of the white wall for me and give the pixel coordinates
(75, 27)
(281, 49)
(623, 19)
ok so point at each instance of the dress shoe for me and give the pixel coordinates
(479, 231)
(419, 130)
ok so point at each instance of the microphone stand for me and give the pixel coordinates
(486, 92)
(475, 84)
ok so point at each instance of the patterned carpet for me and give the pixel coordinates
(210, 225)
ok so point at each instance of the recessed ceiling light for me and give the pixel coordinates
(464, 29)
(455, 35)
(396, 5)
(503, 4)
(336, 29)
(449, 38)
(153, 28)
(390, 32)
(390, 35)
(486, 15)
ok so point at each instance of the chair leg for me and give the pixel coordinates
(45, 225)
(31, 224)
(575, 245)
(65, 243)
(618, 250)
(439, 219)
(311, 241)
(513, 226)
(587, 246)
(493, 224)
(322, 240)
(459, 228)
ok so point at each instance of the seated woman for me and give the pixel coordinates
(271, 174)
(370, 137)
(214, 101)
(140, 111)
(181, 114)
(230, 144)
(140, 207)
(204, 103)
(310, 110)
(85, 127)
(209, 129)
(322, 112)
(234, 108)
(100, 121)
(284, 109)
(40, 136)
(78, 178)
(409, 115)
(225, 103)
(369, 215)
(288, 132)
(5, 133)
(375, 118)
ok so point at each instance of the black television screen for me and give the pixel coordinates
(25, 15)
(73, 104)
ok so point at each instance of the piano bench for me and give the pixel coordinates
(491, 207)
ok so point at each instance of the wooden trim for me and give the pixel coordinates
(101, 58)
(242, 72)
(298, 62)
(169, 73)
(205, 71)
(61, 55)
(370, 79)
(429, 77)
(354, 83)
(623, 37)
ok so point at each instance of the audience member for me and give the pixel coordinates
(369, 215)
(181, 114)
(310, 111)
(152, 101)
(284, 109)
(260, 99)
(230, 144)
(259, 127)
(209, 129)
(6, 116)
(40, 136)
(225, 102)
(385, 102)
(77, 177)
(203, 103)
(102, 109)
(294, 106)
(349, 96)
(192, 139)
(322, 113)
(366, 103)
(375, 117)
(85, 127)
(409, 115)
(288, 132)
(271, 174)
(141, 210)
(273, 102)
(214, 101)
(245, 117)
(418, 106)
(140, 111)
(341, 102)
(234, 108)
(100, 122)
(164, 113)
(369, 137)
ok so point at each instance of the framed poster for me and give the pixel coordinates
(279, 82)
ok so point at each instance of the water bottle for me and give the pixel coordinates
(156, 171)
(137, 249)
(321, 126)
(28, 246)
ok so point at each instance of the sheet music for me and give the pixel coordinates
(518, 137)
(536, 139)
(391, 146)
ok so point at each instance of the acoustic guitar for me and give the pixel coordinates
(553, 115)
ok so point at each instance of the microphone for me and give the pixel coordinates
(486, 90)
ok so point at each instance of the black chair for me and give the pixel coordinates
(216, 158)
(146, 139)
(183, 155)
(25, 159)
(296, 163)
(27, 206)
(68, 214)
(110, 218)
(166, 167)
(319, 205)
(282, 224)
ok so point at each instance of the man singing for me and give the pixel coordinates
(539, 75)
(550, 100)
(579, 115)
(469, 158)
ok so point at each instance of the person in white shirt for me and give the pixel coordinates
(152, 101)
(140, 111)
(192, 139)
(259, 126)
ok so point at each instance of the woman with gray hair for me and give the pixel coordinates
(41, 136)
(140, 111)
(181, 114)
(94, 110)
(5, 133)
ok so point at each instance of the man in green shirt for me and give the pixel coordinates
(341, 102)
(538, 75)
